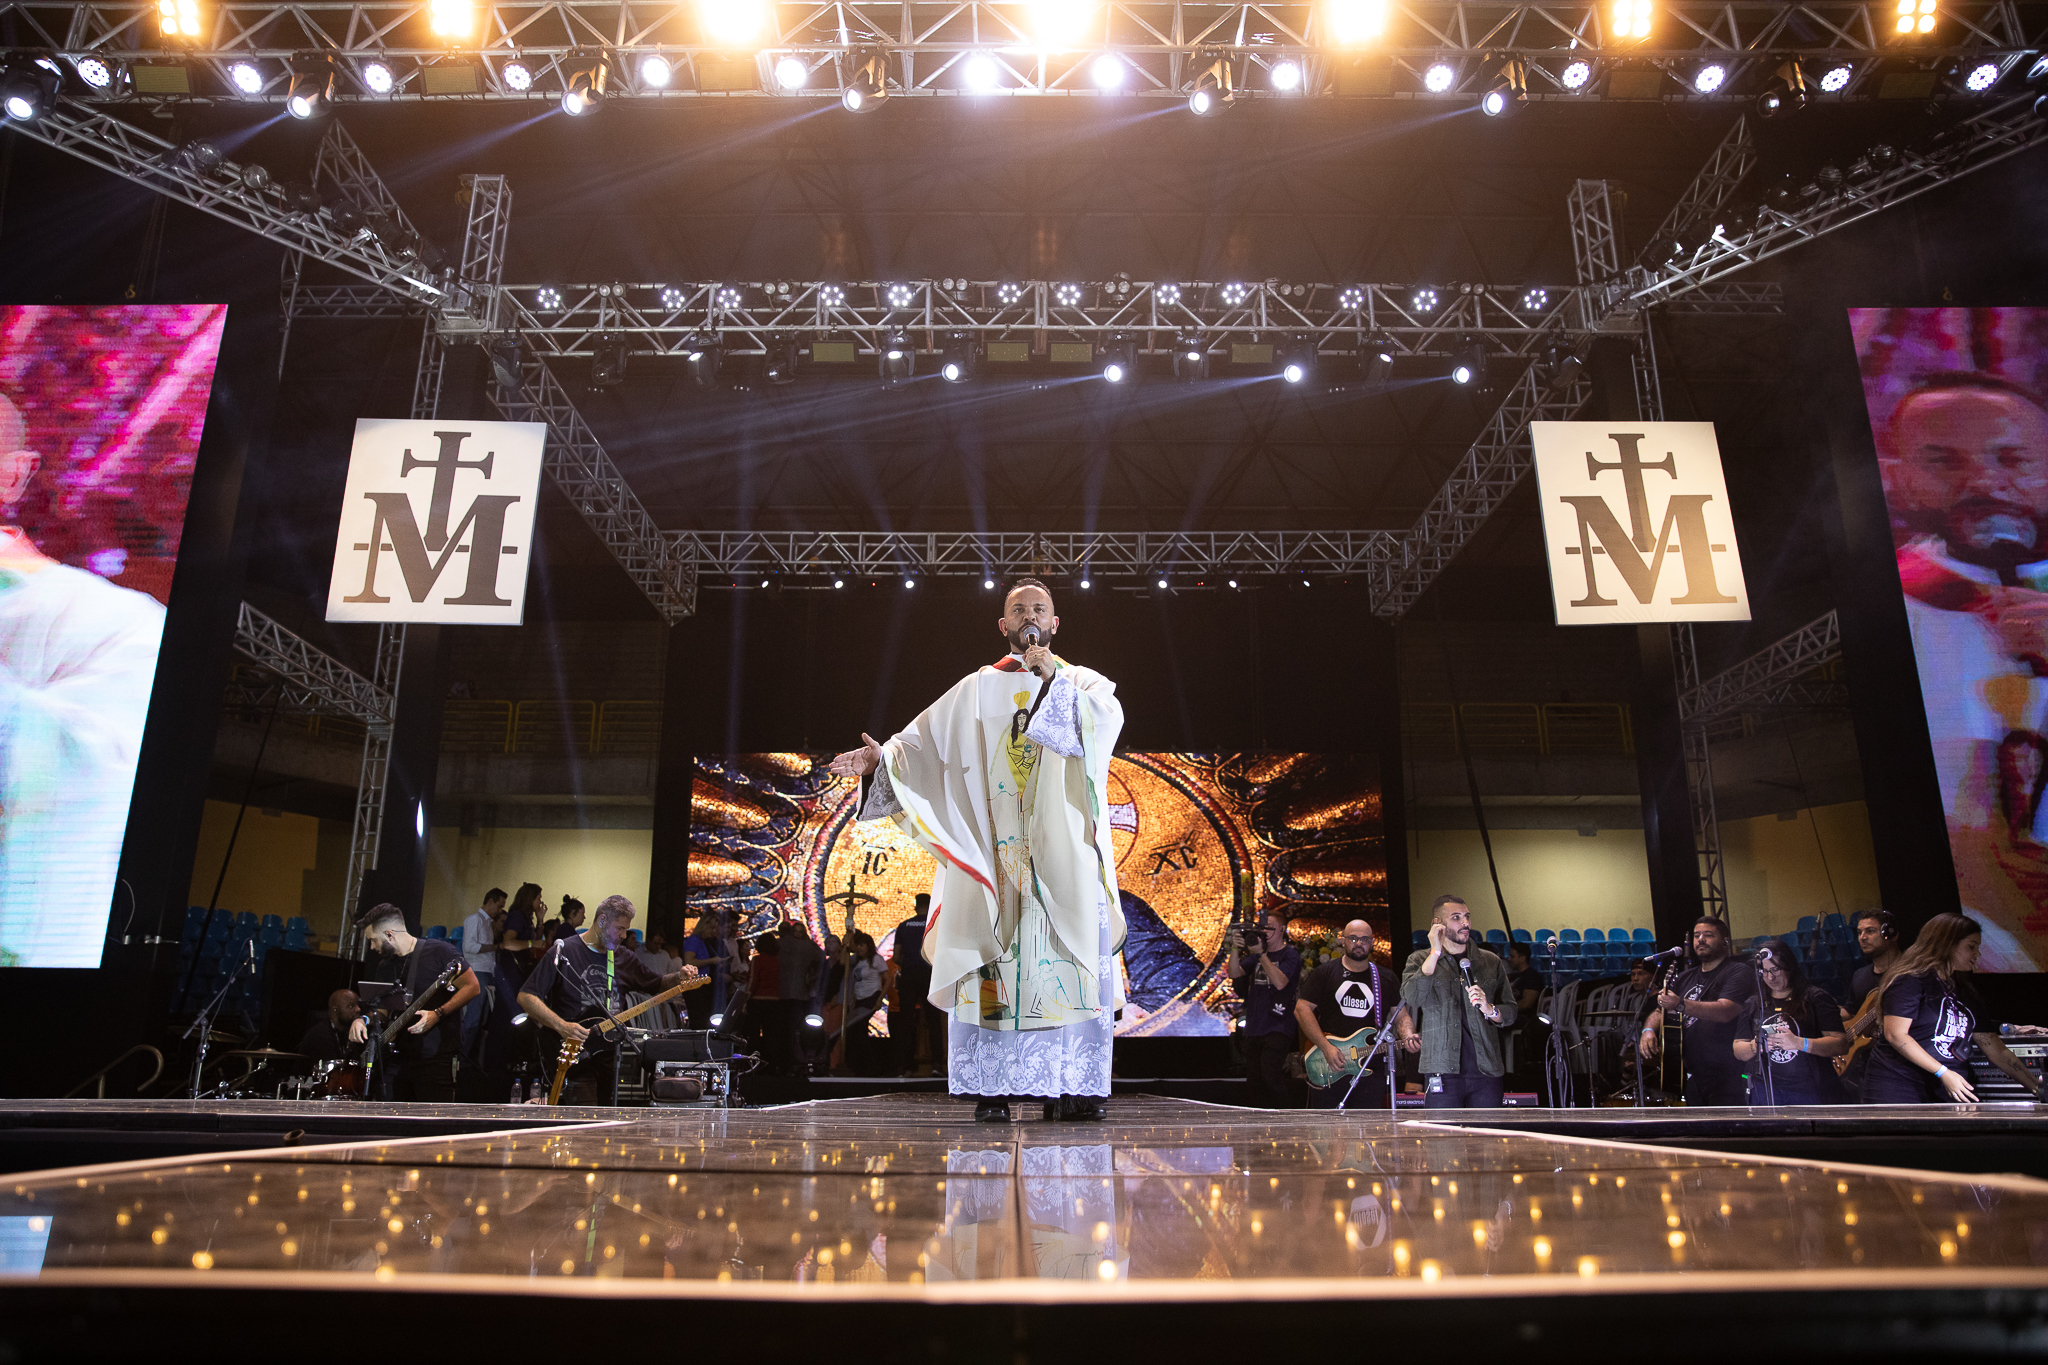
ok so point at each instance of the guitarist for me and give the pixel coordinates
(584, 977)
(425, 1067)
(1878, 936)
(1266, 969)
(1336, 1000)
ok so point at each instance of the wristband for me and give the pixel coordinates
(1806, 1044)
(1939, 1072)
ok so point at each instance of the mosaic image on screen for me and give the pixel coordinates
(101, 411)
(1956, 399)
(1199, 839)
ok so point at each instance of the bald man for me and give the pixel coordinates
(77, 662)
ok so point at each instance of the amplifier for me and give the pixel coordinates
(689, 1085)
(686, 1045)
(1992, 1084)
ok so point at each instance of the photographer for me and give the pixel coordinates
(1265, 968)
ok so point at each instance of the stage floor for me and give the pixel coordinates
(905, 1198)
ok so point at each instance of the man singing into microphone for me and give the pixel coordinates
(1460, 995)
(1003, 780)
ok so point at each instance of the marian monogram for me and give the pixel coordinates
(437, 522)
(1636, 521)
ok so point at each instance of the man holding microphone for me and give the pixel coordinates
(1459, 994)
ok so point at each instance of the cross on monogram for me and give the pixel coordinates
(444, 466)
(1632, 470)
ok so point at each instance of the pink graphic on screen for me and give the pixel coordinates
(101, 413)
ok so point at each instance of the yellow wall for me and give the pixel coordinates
(588, 864)
(1552, 878)
(272, 856)
(1775, 872)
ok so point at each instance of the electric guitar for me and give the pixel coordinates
(601, 1027)
(1862, 1029)
(444, 982)
(1352, 1047)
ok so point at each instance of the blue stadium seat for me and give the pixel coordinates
(437, 931)
(247, 919)
(220, 931)
(300, 923)
(1568, 935)
(1520, 936)
(1595, 936)
(269, 938)
(1544, 935)
(1621, 950)
(1496, 936)
(273, 922)
(1808, 922)
(295, 939)
(1643, 936)
(455, 937)
(1834, 920)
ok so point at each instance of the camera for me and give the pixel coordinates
(1249, 936)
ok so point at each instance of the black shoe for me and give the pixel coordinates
(992, 1111)
(1082, 1108)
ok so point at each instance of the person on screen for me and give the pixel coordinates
(77, 662)
(1966, 474)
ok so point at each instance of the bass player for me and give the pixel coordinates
(586, 976)
(425, 1067)
(1337, 1001)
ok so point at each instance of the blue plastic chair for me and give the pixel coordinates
(437, 931)
(1834, 919)
(1643, 935)
(300, 923)
(248, 919)
(1595, 936)
(1520, 936)
(1568, 935)
(1545, 935)
(1496, 936)
(455, 937)
(295, 939)
(267, 937)
(273, 922)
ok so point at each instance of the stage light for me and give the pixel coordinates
(780, 365)
(1461, 373)
(792, 74)
(246, 78)
(1708, 78)
(898, 359)
(1376, 361)
(1119, 359)
(1166, 295)
(672, 298)
(1212, 91)
(1235, 294)
(608, 362)
(1233, 582)
(505, 363)
(814, 1019)
(377, 78)
(1060, 23)
(1512, 92)
(310, 90)
(1836, 79)
(1439, 78)
(1008, 292)
(728, 297)
(1982, 77)
(94, 72)
(962, 360)
(1786, 94)
(1470, 365)
(867, 88)
(837, 583)
(451, 18)
(516, 75)
(1576, 75)
(585, 90)
(2039, 70)
(1425, 300)
(909, 583)
(1162, 582)
(178, 18)
(1067, 295)
(1351, 298)
(1286, 76)
(733, 23)
(654, 71)
(1293, 372)
(26, 92)
(1190, 358)
(1631, 19)
(901, 295)
(980, 73)
(1915, 16)
(1352, 22)
(701, 357)
(1085, 585)
(717, 1020)
(1298, 360)
(1535, 300)
(831, 296)
(987, 583)
(1107, 71)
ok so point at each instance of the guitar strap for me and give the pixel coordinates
(1378, 1000)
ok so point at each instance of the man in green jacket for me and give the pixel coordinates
(1458, 993)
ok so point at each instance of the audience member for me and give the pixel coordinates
(863, 1049)
(1267, 971)
(480, 948)
(921, 1020)
(1801, 1027)
(519, 937)
(1459, 994)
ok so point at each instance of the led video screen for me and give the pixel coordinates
(1957, 407)
(101, 411)
(1196, 836)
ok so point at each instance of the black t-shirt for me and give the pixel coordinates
(1346, 1002)
(1796, 1077)
(1710, 1046)
(1942, 1023)
(415, 972)
(511, 963)
(913, 973)
(323, 1044)
(1528, 979)
(1269, 1011)
(571, 979)
(1861, 983)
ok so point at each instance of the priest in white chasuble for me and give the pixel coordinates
(1004, 780)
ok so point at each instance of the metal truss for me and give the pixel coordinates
(1596, 231)
(813, 558)
(1710, 250)
(1167, 45)
(1487, 473)
(1774, 676)
(318, 681)
(1733, 158)
(1699, 778)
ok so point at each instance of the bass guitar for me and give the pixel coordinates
(1862, 1029)
(602, 1027)
(1352, 1047)
(444, 982)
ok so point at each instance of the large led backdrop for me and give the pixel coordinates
(1198, 837)
(1957, 409)
(101, 411)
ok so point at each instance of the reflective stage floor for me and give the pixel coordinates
(1185, 1216)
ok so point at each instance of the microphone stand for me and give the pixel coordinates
(620, 1029)
(202, 1023)
(1557, 1067)
(1365, 1063)
(1763, 1055)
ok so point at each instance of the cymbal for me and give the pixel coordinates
(272, 1053)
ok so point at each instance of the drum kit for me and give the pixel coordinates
(270, 1074)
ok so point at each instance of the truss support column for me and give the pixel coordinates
(1699, 774)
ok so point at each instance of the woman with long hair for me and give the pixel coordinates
(519, 936)
(1922, 1054)
(1801, 1027)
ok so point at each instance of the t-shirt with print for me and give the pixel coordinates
(1710, 1046)
(1796, 1077)
(1942, 1023)
(572, 979)
(1346, 1001)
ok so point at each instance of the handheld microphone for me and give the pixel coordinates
(1030, 636)
(1679, 951)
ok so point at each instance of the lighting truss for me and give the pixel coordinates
(316, 682)
(1776, 675)
(1165, 45)
(817, 556)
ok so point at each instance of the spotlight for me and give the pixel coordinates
(1190, 358)
(1058, 23)
(1286, 76)
(1631, 19)
(1298, 361)
(1512, 92)
(1709, 78)
(792, 74)
(246, 77)
(980, 73)
(901, 296)
(1425, 300)
(377, 78)
(1470, 365)
(1067, 295)
(780, 366)
(1352, 22)
(1212, 92)
(815, 1019)
(1119, 359)
(451, 18)
(962, 360)
(1376, 361)
(898, 358)
(733, 23)
(1008, 292)
(608, 362)
(1576, 74)
(1351, 298)
(310, 90)
(548, 299)
(1166, 295)
(585, 90)
(701, 356)
(1107, 71)
(516, 75)
(1915, 16)
(26, 92)
(1162, 582)
(1085, 585)
(1982, 77)
(987, 583)
(654, 71)
(1234, 294)
(1233, 582)
(1535, 300)
(1439, 78)
(1566, 364)
(837, 583)
(505, 363)
(94, 72)
(178, 18)
(831, 296)
(1836, 79)
(867, 88)
(1461, 373)
(909, 583)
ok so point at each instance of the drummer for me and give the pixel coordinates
(327, 1040)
